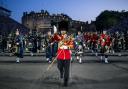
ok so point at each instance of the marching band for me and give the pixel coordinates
(63, 45)
(100, 44)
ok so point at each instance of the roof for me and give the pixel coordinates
(8, 25)
(4, 9)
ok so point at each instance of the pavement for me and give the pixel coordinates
(31, 73)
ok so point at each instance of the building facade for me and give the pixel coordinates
(42, 21)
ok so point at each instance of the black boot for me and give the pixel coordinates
(61, 75)
(65, 83)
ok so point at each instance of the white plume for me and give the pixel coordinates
(55, 29)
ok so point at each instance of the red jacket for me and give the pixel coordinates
(86, 37)
(56, 37)
(94, 38)
(105, 40)
(63, 54)
(108, 41)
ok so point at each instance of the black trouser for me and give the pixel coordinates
(94, 47)
(103, 50)
(64, 67)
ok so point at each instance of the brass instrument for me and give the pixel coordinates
(68, 41)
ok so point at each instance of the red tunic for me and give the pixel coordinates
(95, 38)
(108, 41)
(86, 37)
(89, 37)
(63, 54)
(105, 40)
(56, 38)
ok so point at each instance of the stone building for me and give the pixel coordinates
(42, 21)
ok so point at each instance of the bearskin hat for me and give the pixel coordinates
(63, 25)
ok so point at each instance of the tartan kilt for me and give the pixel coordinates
(104, 49)
(79, 50)
(17, 51)
(54, 49)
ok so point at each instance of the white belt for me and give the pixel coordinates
(64, 47)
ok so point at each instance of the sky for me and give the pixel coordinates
(83, 10)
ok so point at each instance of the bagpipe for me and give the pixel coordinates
(17, 46)
(52, 41)
(79, 44)
(15, 49)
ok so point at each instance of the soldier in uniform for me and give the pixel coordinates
(116, 42)
(48, 43)
(34, 49)
(30, 45)
(86, 39)
(19, 42)
(64, 54)
(55, 40)
(104, 43)
(39, 43)
(94, 42)
(79, 46)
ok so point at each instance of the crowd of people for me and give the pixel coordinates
(98, 43)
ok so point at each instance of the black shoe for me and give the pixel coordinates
(61, 75)
(65, 84)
